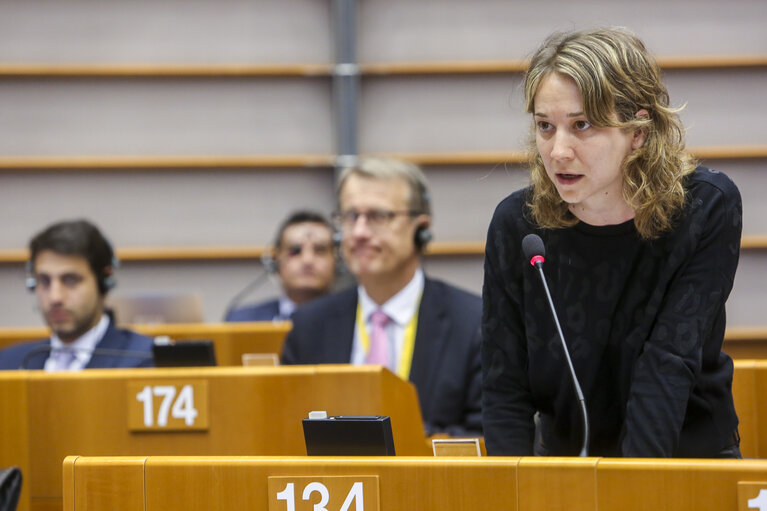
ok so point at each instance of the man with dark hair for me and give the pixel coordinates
(70, 269)
(422, 329)
(304, 258)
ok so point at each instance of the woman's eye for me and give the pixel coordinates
(543, 125)
(582, 125)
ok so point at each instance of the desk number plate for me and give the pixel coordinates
(324, 493)
(176, 405)
(752, 495)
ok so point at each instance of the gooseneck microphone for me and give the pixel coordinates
(249, 288)
(535, 252)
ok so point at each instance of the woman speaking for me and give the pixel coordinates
(641, 251)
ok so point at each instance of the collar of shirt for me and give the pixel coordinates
(83, 346)
(401, 307)
(286, 308)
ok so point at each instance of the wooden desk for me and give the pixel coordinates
(251, 411)
(424, 484)
(746, 343)
(231, 340)
(234, 339)
(749, 390)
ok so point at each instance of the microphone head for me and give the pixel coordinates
(533, 249)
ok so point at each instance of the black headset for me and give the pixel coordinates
(269, 263)
(422, 237)
(423, 234)
(105, 281)
(272, 266)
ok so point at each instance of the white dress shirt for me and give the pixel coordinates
(82, 348)
(286, 309)
(400, 308)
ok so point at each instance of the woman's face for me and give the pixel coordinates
(584, 162)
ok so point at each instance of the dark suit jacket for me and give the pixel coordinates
(114, 339)
(265, 311)
(446, 358)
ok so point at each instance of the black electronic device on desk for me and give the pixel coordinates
(184, 354)
(348, 435)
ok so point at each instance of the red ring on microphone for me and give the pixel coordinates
(536, 259)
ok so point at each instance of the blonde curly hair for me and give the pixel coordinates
(616, 77)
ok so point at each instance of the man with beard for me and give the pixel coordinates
(70, 270)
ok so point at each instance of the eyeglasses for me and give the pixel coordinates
(375, 218)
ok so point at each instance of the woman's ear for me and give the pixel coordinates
(640, 133)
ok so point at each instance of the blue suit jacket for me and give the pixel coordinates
(114, 339)
(265, 311)
(446, 368)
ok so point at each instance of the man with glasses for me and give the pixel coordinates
(422, 329)
(304, 259)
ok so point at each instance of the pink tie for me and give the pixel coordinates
(379, 345)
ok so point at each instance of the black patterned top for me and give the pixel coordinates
(644, 322)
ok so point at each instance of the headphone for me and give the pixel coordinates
(422, 237)
(271, 266)
(423, 234)
(30, 282)
(105, 281)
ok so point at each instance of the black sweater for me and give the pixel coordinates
(644, 322)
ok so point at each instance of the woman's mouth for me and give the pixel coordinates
(568, 179)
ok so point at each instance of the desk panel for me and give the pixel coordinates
(252, 411)
(430, 484)
(741, 343)
(14, 426)
(746, 343)
(760, 408)
(231, 340)
(678, 485)
(749, 391)
(122, 481)
(569, 483)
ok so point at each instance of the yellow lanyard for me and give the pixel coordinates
(406, 357)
